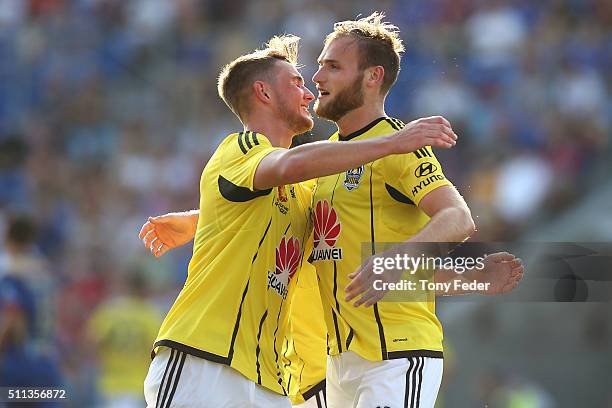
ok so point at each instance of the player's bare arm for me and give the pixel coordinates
(165, 232)
(321, 159)
(450, 221)
(501, 273)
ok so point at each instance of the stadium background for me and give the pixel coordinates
(109, 111)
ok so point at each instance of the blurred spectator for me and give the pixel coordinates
(23, 362)
(122, 330)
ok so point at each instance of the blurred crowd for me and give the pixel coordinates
(109, 112)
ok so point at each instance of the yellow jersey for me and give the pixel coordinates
(374, 203)
(123, 329)
(234, 306)
(305, 349)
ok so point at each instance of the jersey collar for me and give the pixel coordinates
(360, 131)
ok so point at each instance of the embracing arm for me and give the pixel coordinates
(319, 159)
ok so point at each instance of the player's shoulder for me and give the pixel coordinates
(393, 124)
(242, 142)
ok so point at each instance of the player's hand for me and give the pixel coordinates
(433, 131)
(162, 233)
(503, 272)
(362, 283)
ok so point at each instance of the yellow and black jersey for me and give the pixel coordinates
(248, 245)
(305, 348)
(374, 203)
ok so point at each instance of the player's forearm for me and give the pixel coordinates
(452, 224)
(321, 159)
(193, 216)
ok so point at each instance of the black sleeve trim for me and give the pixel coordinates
(237, 194)
(398, 196)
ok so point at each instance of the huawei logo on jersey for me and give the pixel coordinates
(327, 229)
(287, 260)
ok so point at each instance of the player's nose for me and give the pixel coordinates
(309, 96)
(317, 77)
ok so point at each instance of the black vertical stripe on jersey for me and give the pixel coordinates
(254, 134)
(334, 316)
(418, 395)
(417, 154)
(258, 349)
(169, 379)
(278, 373)
(230, 354)
(262, 240)
(164, 377)
(408, 389)
(240, 135)
(424, 152)
(381, 330)
(247, 141)
(176, 379)
(349, 338)
(392, 123)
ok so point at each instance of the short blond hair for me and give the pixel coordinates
(236, 78)
(379, 44)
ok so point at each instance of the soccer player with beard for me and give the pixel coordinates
(220, 343)
(389, 354)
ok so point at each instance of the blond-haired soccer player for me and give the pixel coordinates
(220, 343)
(389, 354)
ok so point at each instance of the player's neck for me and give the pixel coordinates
(360, 118)
(274, 129)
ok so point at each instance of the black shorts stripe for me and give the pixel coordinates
(164, 377)
(418, 391)
(168, 383)
(247, 141)
(254, 134)
(407, 389)
(176, 379)
(318, 397)
(314, 390)
(258, 349)
(392, 123)
(415, 380)
(240, 136)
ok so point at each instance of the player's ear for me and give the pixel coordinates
(374, 76)
(262, 91)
